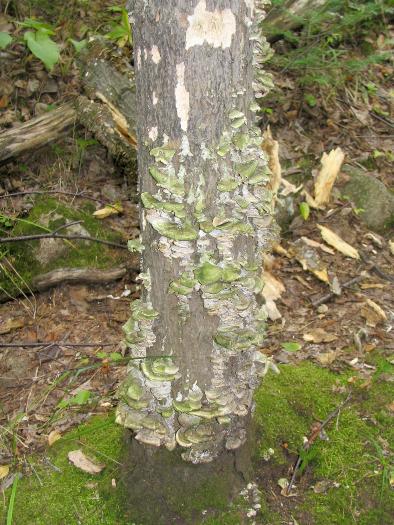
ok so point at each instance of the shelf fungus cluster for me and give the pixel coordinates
(207, 218)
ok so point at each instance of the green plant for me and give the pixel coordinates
(121, 29)
(5, 39)
(39, 41)
(335, 41)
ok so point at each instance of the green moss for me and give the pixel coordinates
(288, 404)
(68, 495)
(78, 253)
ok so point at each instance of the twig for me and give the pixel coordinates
(312, 438)
(54, 235)
(48, 344)
(372, 267)
(330, 295)
(54, 192)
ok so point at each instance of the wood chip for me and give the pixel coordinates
(319, 335)
(338, 243)
(53, 437)
(11, 324)
(331, 164)
(315, 244)
(79, 460)
(377, 309)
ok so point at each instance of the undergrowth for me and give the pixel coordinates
(335, 43)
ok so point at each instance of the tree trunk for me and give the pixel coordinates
(206, 219)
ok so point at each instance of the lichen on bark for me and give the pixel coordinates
(206, 220)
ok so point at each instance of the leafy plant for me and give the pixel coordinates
(81, 398)
(121, 30)
(5, 39)
(305, 210)
(39, 41)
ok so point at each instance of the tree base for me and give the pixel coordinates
(161, 488)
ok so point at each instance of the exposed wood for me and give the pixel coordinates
(76, 276)
(37, 132)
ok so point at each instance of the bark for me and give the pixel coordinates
(289, 16)
(206, 219)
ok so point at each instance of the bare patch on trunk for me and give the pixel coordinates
(182, 97)
(156, 57)
(214, 27)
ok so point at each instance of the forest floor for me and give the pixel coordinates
(55, 397)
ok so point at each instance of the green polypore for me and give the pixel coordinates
(135, 245)
(163, 154)
(241, 339)
(194, 435)
(214, 288)
(206, 226)
(237, 123)
(241, 141)
(261, 175)
(247, 169)
(231, 272)
(187, 405)
(142, 312)
(235, 114)
(153, 423)
(168, 182)
(132, 335)
(253, 283)
(212, 412)
(208, 273)
(237, 227)
(184, 285)
(228, 184)
(242, 203)
(150, 202)
(172, 230)
(160, 369)
(254, 107)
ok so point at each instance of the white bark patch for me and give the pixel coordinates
(214, 27)
(153, 133)
(182, 97)
(156, 57)
(250, 5)
(138, 61)
(155, 100)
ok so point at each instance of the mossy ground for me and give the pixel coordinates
(79, 254)
(355, 456)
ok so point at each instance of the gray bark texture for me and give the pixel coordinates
(206, 220)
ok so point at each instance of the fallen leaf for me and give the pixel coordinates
(291, 346)
(279, 250)
(273, 289)
(391, 247)
(103, 213)
(4, 471)
(327, 358)
(318, 335)
(315, 244)
(11, 324)
(283, 483)
(377, 309)
(53, 437)
(336, 242)
(367, 286)
(289, 188)
(390, 407)
(331, 164)
(79, 460)
(271, 148)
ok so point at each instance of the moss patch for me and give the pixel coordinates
(353, 456)
(49, 214)
(356, 457)
(68, 495)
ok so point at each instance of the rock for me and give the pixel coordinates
(285, 211)
(372, 196)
